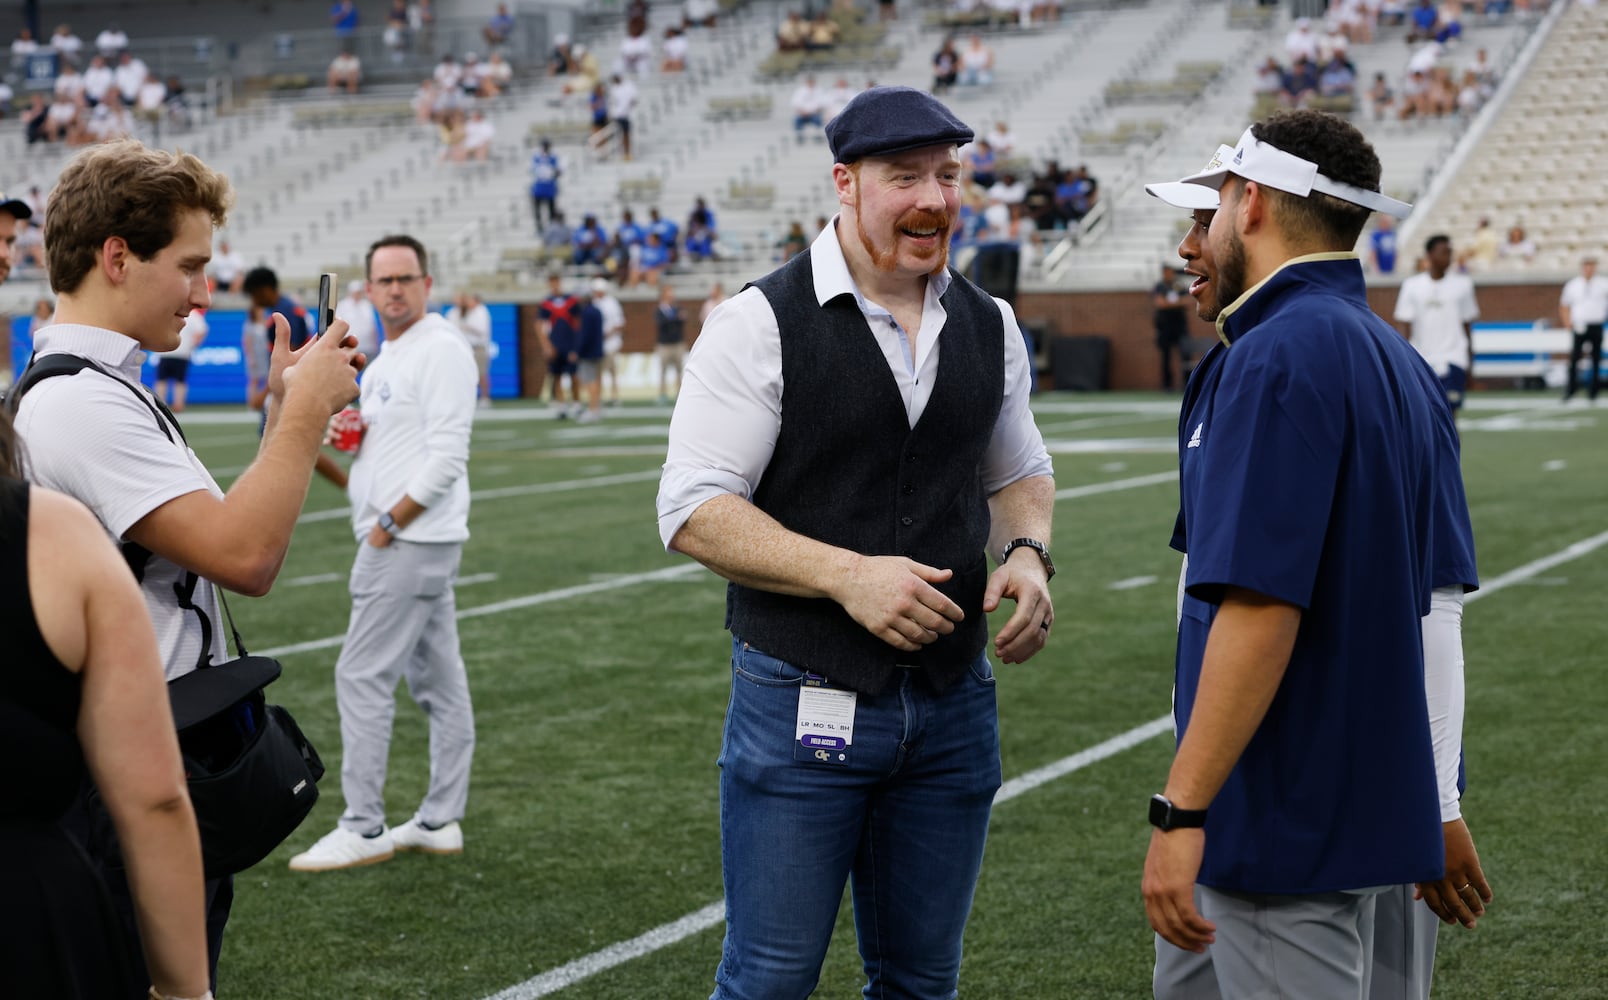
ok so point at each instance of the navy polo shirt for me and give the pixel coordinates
(295, 316)
(1310, 460)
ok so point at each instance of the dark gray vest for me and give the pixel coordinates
(849, 470)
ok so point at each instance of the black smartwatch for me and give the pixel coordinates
(387, 524)
(1034, 544)
(1166, 816)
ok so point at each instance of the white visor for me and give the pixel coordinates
(1258, 161)
(1192, 197)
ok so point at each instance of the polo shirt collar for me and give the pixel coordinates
(1339, 270)
(832, 277)
(106, 347)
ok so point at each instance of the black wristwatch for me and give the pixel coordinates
(1166, 816)
(1036, 546)
(387, 524)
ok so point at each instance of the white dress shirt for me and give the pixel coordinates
(92, 439)
(729, 413)
(418, 408)
(1587, 301)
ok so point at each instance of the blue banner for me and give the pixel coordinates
(218, 367)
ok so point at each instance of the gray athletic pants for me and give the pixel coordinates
(1311, 947)
(1404, 946)
(404, 625)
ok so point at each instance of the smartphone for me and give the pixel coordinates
(326, 312)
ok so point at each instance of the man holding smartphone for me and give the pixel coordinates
(410, 513)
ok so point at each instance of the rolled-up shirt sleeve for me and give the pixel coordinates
(1016, 450)
(729, 412)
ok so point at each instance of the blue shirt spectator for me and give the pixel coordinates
(591, 242)
(630, 233)
(654, 254)
(344, 17)
(1384, 250)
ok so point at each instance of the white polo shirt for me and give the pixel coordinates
(92, 439)
(1437, 311)
(1587, 301)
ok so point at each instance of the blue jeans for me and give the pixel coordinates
(906, 817)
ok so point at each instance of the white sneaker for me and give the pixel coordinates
(411, 836)
(341, 848)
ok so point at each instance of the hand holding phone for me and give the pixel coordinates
(326, 312)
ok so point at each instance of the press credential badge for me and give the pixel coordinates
(825, 729)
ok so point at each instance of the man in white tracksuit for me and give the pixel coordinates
(410, 512)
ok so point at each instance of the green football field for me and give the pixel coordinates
(599, 671)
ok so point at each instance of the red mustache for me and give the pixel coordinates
(922, 219)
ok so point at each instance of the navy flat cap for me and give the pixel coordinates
(886, 120)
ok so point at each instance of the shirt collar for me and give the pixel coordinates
(832, 277)
(1239, 316)
(108, 347)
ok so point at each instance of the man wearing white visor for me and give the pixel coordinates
(1317, 465)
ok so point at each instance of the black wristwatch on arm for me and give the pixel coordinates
(1034, 544)
(1165, 816)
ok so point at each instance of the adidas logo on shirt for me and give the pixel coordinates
(1194, 439)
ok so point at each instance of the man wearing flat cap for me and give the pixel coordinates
(1322, 519)
(851, 444)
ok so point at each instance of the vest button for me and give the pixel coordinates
(908, 489)
(907, 521)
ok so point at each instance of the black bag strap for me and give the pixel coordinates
(135, 554)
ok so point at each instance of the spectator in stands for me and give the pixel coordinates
(651, 262)
(1582, 310)
(717, 295)
(945, 66)
(36, 120)
(1270, 79)
(1483, 248)
(1076, 195)
(1423, 18)
(23, 46)
(823, 35)
(345, 72)
(670, 339)
(560, 62)
(451, 132)
(1417, 96)
(477, 136)
(636, 52)
(545, 170)
(629, 231)
(30, 249)
(69, 83)
(1481, 67)
(586, 76)
(556, 235)
(109, 120)
(982, 163)
(424, 101)
(1337, 79)
(976, 63)
(675, 48)
(590, 241)
(1382, 245)
(98, 80)
(622, 104)
(498, 29)
(701, 13)
(1519, 248)
(793, 33)
(793, 242)
(111, 42)
(837, 98)
(1470, 95)
(598, 107)
(448, 74)
(62, 120)
(496, 76)
(228, 267)
(701, 232)
(618, 258)
(668, 232)
(1354, 19)
(343, 18)
(1301, 43)
(1449, 21)
(421, 22)
(152, 101)
(130, 75)
(68, 45)
(1001, 139)
(1008, 189)
(473, 74)
(807, 103)
(1380, 97)
(1300, 84)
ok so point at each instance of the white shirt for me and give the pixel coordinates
(418, 408)
(92, 439)
(622, 98)
(69, 85)
(836, 100)
(476, 326)
(448, 75)
(152, 94)
(635, 53)
(24, 47)
(131, 76)
(478, 132)
(1301, 43)
(676, 48)
(359, 315)
(97, 81)
(111, 42)
(1587, 301)
(613, 323)
(1437, 311)
(808, 100)
(729, 413)
(68, 44)
(195, 331)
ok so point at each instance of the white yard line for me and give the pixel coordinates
(1131, 583)
(504, 492)
(698, 921)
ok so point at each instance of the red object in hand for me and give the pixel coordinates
(346, 430)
